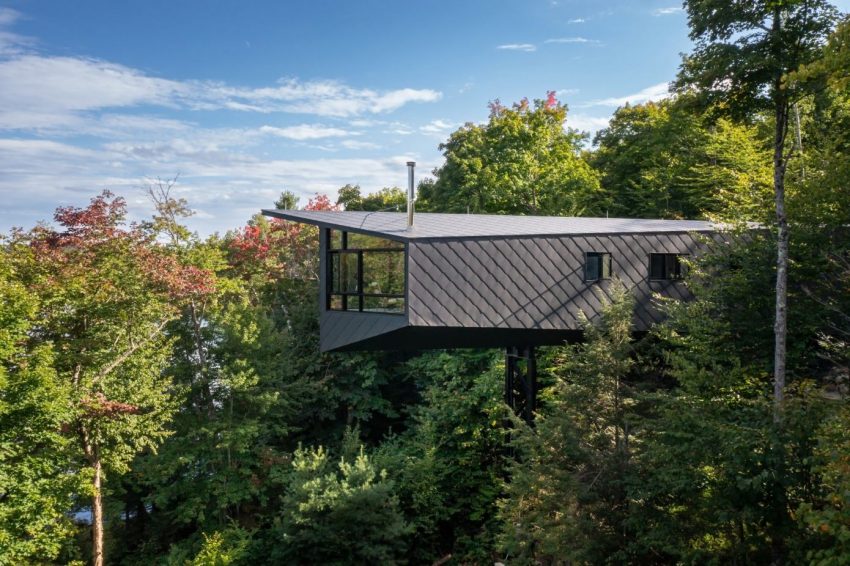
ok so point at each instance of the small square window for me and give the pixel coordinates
(597, 265)
(666, 267)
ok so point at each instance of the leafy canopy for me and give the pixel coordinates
(524, 160)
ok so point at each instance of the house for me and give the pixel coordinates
(474, 280)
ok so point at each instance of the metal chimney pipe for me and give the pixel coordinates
(410, 194)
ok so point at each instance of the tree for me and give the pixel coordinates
(524, 160)
(717, 479)
(339, 514)
(349, 197)
(664, 160)
(106, 294)
(386, 199)
(567, 497)
(287, 201)
(449, 464)
(37, 488)
(169, 212)
(743, 52)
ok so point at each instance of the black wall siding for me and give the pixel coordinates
(533, 282)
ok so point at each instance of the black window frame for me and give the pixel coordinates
(359, 296)
(602, 256)
(679, 269)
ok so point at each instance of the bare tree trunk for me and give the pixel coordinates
(780, 326)
(97, 515)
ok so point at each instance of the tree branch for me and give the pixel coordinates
(129, 352)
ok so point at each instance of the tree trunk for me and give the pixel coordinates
(780, 326)
(780, 321)
(97, 515)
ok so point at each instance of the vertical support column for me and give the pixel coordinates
(325, 279)
(521, 381)
(343, 268)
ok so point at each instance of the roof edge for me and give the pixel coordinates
(282, 214)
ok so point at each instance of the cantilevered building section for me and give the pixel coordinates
(472, 280)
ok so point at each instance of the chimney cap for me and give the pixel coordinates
(411, 163)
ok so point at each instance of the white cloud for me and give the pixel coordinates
(399, 130)
(437, 127)
(654, 92)
(585, 123)
(225, 187)
(574, 40)
(324, 98)
(76, 125)
(305, 132)
(577, 21)
(49, 92)
(518, 47)
(8, 16)
(667, 11)
(10, 42)
(355, 144)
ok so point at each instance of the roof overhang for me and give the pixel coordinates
(443, 226)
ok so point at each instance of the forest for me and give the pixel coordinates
(163, 399)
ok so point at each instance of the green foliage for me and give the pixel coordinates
(386, 199)
(744, 49)
(338, 514)
(522, 161)
(349, 197)
(287, 201)
(833, 63)
(719, 478)
(828, 518)
(36, 488)
(449, 464)
(221, 548)
(566, 497)
(663, 160)
(214, 469)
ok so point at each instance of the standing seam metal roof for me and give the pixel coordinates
(429, 225)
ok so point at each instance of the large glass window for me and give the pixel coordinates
(665, 267)
(365, 273)
(597, 265)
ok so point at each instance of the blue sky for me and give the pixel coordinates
(245, 99)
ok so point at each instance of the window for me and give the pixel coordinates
(665, 267)
(364, 273)
(597, 265)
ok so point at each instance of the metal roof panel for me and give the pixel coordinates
(428, 225)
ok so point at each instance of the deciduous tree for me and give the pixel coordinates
(664, 160)
(524, 160)
(106, 294)
(743, 52)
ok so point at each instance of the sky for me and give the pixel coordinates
(242, 100)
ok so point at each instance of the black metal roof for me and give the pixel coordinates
(456, 226)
